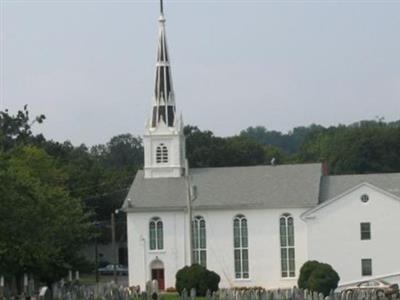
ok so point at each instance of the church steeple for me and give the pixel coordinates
(164, 101)
(164, 142)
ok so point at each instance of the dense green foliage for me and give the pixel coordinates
(197, 277)
(368, 148)
(364, 147)
(289, 142)
(16, 130)
(206, 150)
(42, 226)
(101, 175)
(318, 277)
(305, 273)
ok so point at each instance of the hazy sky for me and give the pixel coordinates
(89, 65)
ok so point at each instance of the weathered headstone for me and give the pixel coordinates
(213, 295)
(31, 287)
(184, 294)
(192, 293)
(149, 288)
(253, 295)
(247, 295)
(263, 295)
(44, 293)
(154, 287)
(270, 295)
(1, 286)
(305, 293)
(208, 294)
(25, 284)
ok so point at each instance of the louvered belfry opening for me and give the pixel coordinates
(161, 154)
(159, 114)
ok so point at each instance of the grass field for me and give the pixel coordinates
(175, 296)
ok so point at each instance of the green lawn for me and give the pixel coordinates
(175, 296)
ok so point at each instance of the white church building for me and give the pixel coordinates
(257, 225)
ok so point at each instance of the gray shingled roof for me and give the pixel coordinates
(332, 186)
(282, 186)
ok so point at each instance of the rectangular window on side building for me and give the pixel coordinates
(366, 267)
(365, 231)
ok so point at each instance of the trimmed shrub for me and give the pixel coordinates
(305, 273)
(318, 277)
(197, 277)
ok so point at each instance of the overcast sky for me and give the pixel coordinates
(89, 65)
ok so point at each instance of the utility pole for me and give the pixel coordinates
(114, 252)
(191, 196)
(190, 217)
(96, 260)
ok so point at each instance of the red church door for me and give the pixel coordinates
(158, 274)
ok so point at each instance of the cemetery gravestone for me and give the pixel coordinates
(192, 293)
(44, 293)
(208, 295)
(184, 294)
(154, 286)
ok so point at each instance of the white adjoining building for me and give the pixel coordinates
(254, 226)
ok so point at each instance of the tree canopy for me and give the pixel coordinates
(362, 147)
(42, 226)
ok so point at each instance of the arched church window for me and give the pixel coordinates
(199, 241)
(286, 228)
(156, 234)
(241, 247)
(161, 154)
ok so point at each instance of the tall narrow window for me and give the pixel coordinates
(286, 229)
(156, 234)
(366, 267)
(161, 154)
(241, 247)
(199, 241)
(365, 231)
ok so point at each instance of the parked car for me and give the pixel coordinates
(380, 287)
(109, 270)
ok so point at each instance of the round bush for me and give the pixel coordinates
(197, 277)
(318, 277)
(305, 273)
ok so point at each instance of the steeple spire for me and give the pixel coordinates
(164, 101)
(164, 141)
